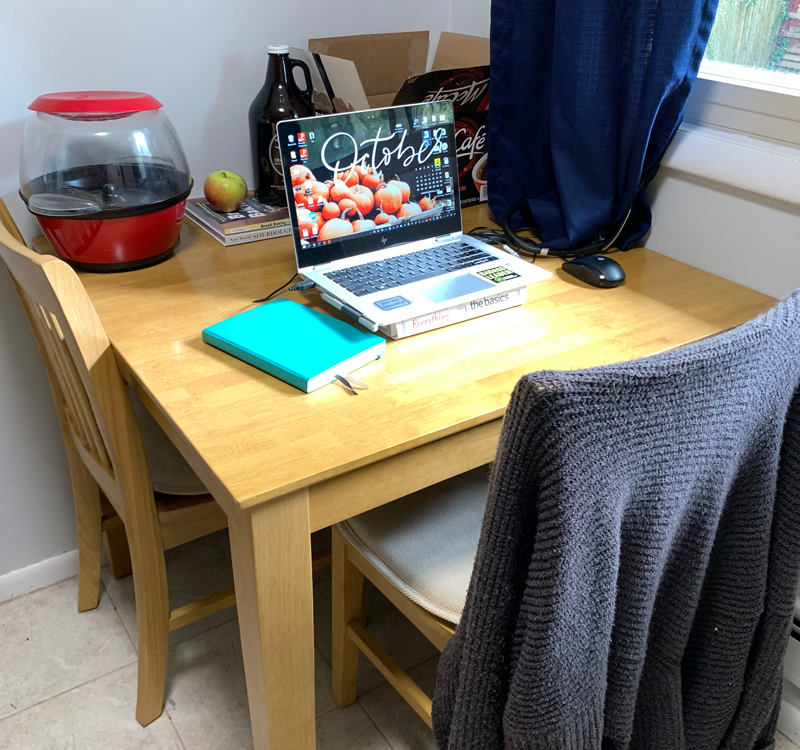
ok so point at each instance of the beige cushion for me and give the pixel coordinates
(169, 471)
(425, 544)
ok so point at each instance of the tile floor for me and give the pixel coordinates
(68, 680)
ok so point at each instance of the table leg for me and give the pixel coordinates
(271, 550)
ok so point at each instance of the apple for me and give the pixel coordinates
(224, 190)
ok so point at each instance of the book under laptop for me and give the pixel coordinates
(376, 218)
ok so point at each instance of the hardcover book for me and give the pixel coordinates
(301, 346)
(455, 314)
(253, 221)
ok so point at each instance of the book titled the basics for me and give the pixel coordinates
(457, 313)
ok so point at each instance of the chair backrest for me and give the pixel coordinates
(79, 358)
(8, 222)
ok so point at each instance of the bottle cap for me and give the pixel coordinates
(278, 49)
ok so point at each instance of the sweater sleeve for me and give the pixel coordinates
(754, 723)
(472, 682)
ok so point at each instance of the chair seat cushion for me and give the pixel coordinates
(425, 544)
(169, 471)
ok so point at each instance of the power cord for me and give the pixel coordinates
(485, 234)
(497, 237)
(298, 287)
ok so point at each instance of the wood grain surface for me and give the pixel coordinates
(252, 437)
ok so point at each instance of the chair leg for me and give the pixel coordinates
(152, 606)
(118, 553)
(348, 604)
(89, 518)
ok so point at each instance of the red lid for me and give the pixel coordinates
(94, 102)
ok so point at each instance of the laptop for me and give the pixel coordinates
(376, 217)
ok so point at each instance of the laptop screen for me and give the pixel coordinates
(364, 181)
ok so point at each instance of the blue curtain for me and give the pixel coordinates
(585, 98)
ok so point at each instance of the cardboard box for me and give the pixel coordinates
(468, 90)
(383, 61)
(392, 68)
(335, 82)
(460, 51)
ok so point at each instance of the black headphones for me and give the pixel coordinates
(601, 239)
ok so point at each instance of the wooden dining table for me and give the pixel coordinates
(282, 463)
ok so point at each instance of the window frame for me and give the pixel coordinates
(758, 103)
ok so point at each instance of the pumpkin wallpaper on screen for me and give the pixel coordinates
(361, 181)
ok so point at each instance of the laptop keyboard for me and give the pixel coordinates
(406, 269)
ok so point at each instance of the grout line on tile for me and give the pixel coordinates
(121, 621)
(64, 692)
(328, 710)
(174, 728)
(322, 656)
(384, 681)
(108, 590)
(377, 728)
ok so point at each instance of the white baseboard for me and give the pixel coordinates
(789, 721)
(38, 575)
(789, 718)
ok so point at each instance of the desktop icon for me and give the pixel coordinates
(293, 154)
(301, 137)
(304, 153)
(290, 139)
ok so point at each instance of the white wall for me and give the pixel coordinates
(470, 17)
(747, 238)
(204, 61)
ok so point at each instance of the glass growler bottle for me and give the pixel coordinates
(279, 99)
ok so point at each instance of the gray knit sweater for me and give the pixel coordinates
(634, 583)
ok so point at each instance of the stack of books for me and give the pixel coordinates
(253, 221)
(456, 314)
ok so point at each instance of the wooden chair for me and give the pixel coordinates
(110, 477)
(419, 552)
(109, 437)
(115, 542)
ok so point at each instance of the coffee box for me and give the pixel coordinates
(468, 89)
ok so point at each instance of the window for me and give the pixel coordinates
(749, 81)
(759, 34)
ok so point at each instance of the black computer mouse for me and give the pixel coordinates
(596, 270)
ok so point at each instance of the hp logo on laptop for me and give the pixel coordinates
(383, 240)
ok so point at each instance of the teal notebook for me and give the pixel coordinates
(304, 347)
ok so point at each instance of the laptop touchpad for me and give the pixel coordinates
(456, 286)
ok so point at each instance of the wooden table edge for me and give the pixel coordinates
(328, 485)
(380, 477)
